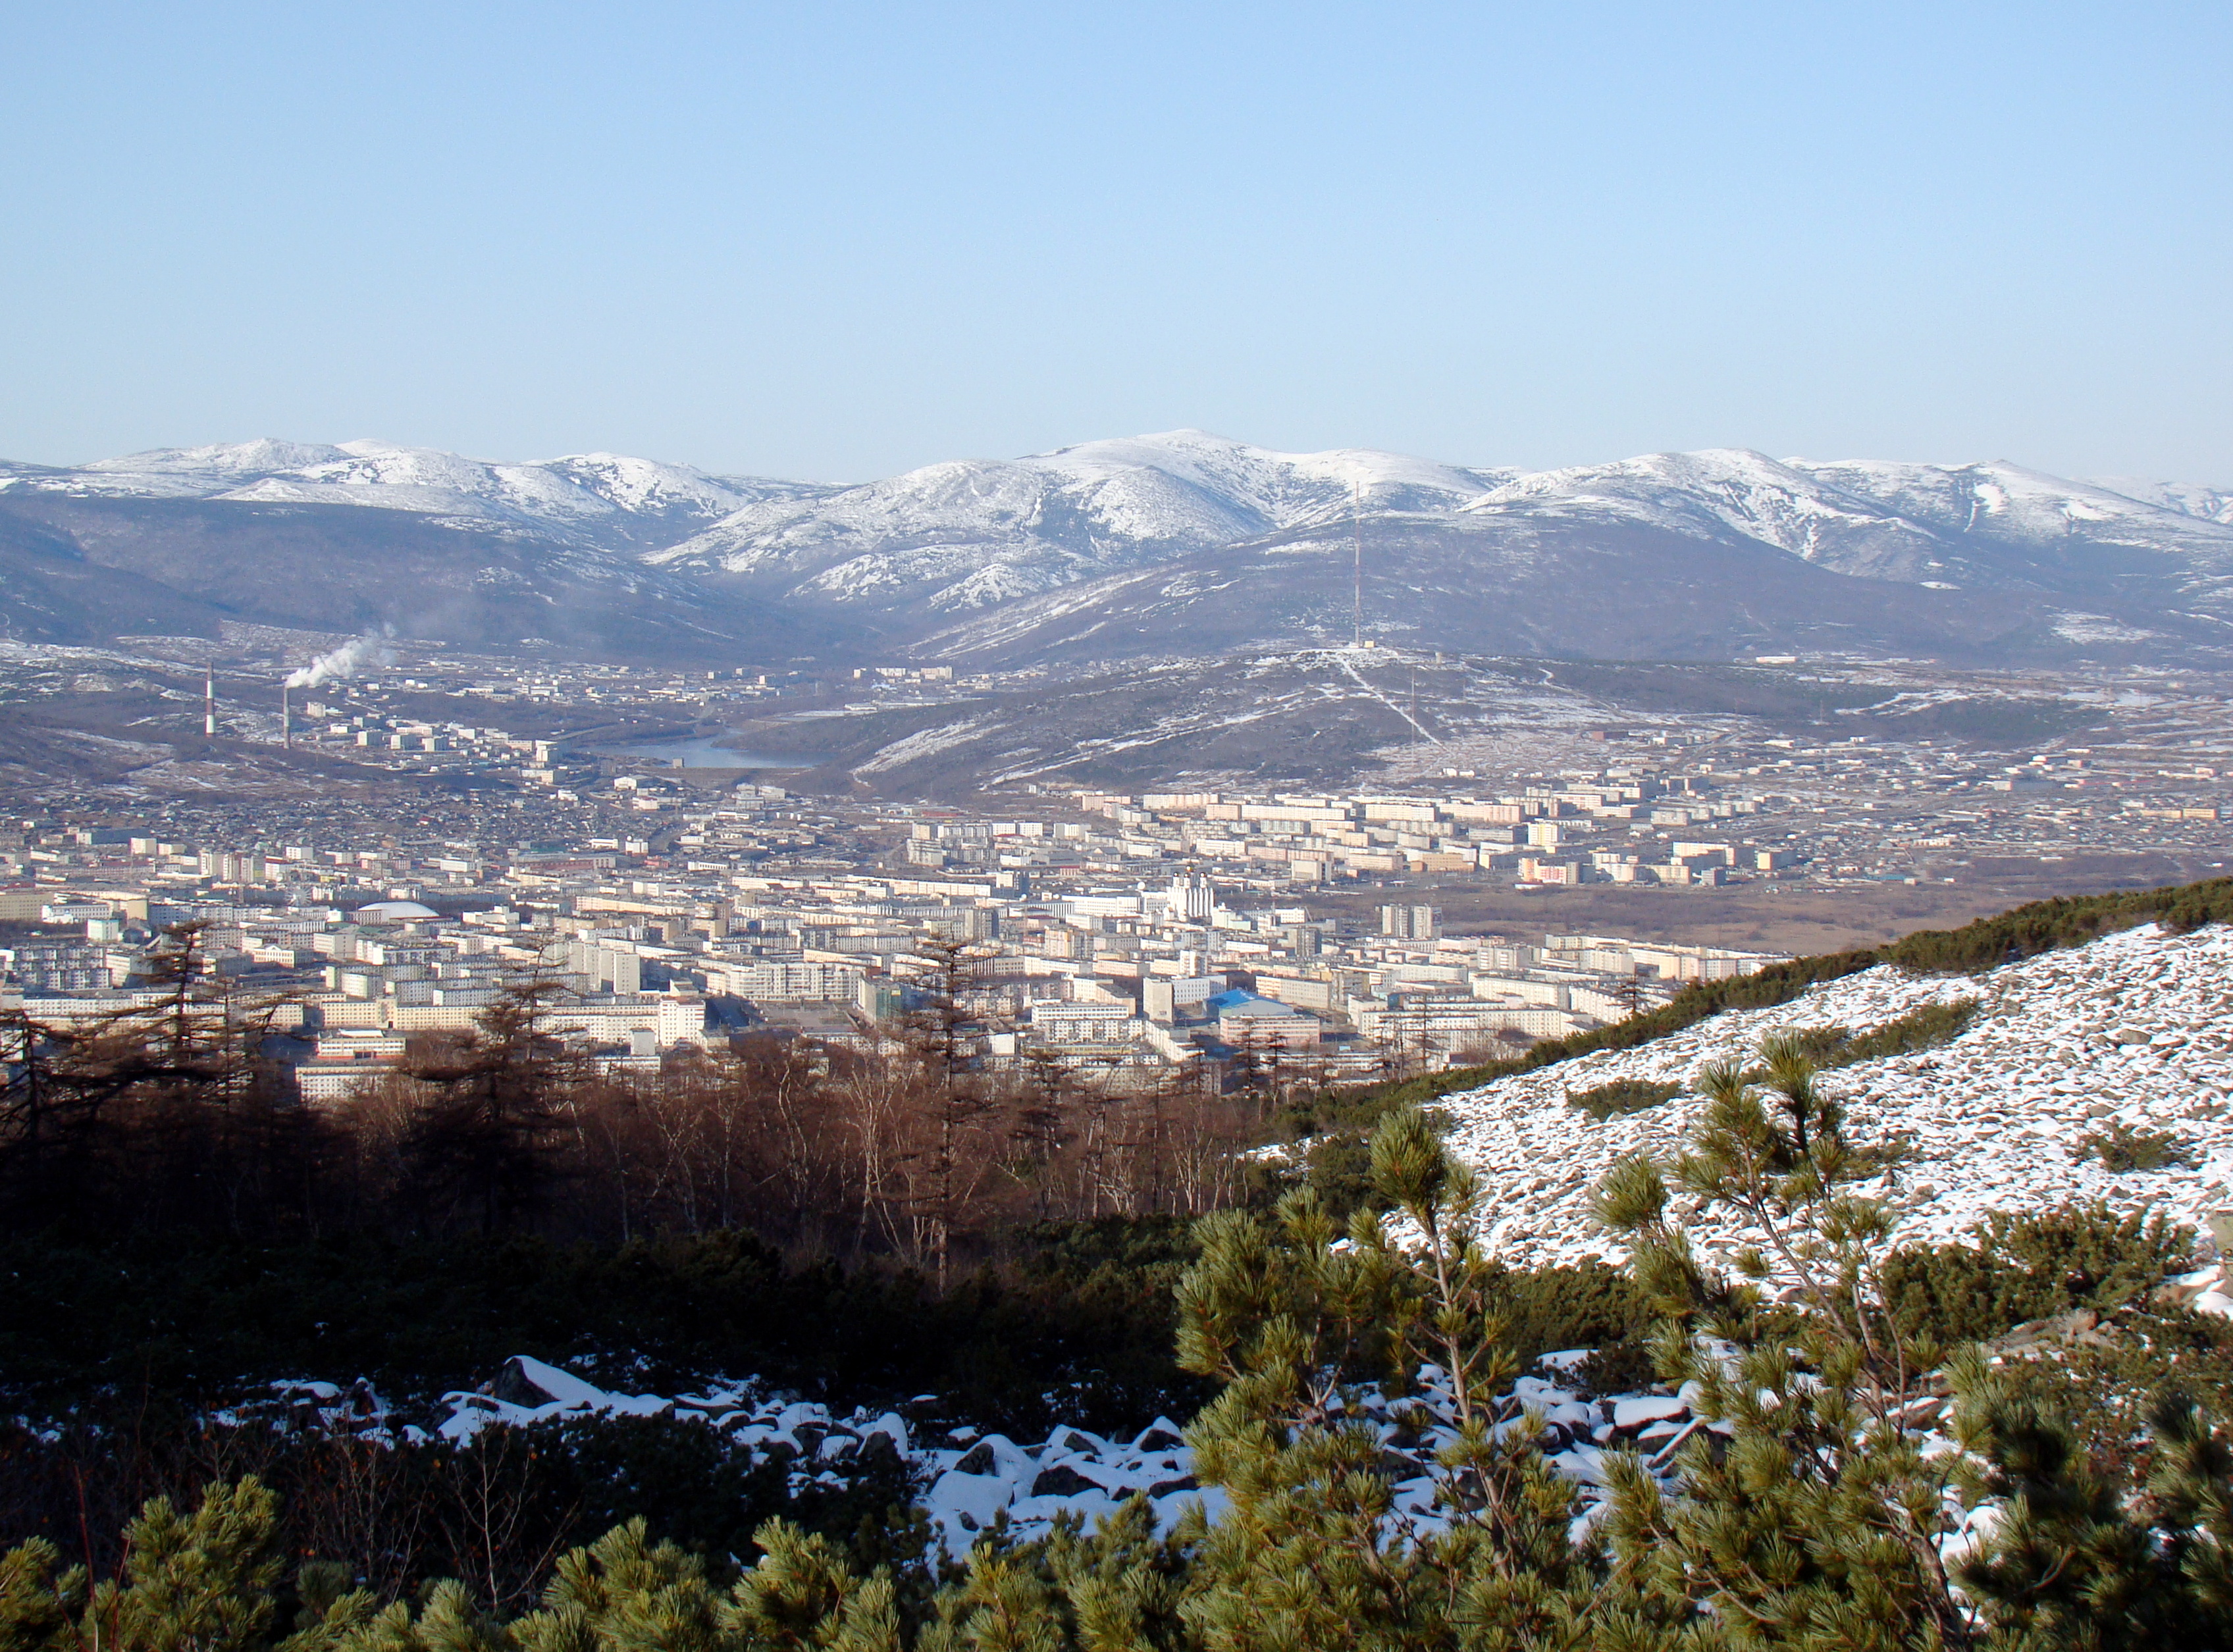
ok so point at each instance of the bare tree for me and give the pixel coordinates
(941, 1029)
(485, 1138)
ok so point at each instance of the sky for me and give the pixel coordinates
(839, 240)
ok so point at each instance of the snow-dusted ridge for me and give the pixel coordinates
(2135, 1028)
(582, 497)
(976, 537)
(1050, 519)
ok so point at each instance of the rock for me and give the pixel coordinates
(1631, 1415)
(514, 1387)
(2181, 1290)
(2075, 1328)
(1156, 1437)
(1923, 1413)
(1061, 1480)
(1395, 1466)
(1165, 1487)
(979, 1459)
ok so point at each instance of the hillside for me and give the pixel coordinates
(1385, 1390)
(1182, 543)
(2125, 1037)
(604, 499)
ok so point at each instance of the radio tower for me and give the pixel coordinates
(1357, 556)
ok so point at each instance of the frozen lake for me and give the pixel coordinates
(705, 754)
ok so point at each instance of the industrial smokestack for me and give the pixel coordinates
(209, 703)
(287, 716)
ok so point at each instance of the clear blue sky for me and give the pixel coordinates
(837, 240)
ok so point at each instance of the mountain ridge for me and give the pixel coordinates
(1182, 541)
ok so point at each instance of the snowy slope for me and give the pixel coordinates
(2133, 1028)
(592, 498)
(972, 1478)
(1723, 491)
(973, 533)
(2009, 505)
(1186, 541)
(193, 472)
(2211, 504)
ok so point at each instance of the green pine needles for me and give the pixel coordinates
(1848, 1484)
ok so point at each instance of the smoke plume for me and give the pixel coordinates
(341, 662)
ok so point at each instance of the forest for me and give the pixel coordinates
(1041, 1249)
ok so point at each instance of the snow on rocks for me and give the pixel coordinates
(297, 1405)
(527, 1391)
(2130, 1030)
(972, 1479)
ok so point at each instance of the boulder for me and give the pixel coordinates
(979, 1459)
(1061, 1480)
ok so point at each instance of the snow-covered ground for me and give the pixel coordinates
(973, 1478)
(2131, 1029)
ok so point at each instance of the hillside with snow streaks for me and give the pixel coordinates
(1186, 543)
(584, 497)
(2134, 1029)
(2009, 505)
(1050, 519)
(2211, 504)
(1717, 492)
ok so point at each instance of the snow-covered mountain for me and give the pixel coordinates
(974, 533)
(604, 499)
(1185, 543)
(2211, 504)
(1914, 523)
(1721, 491)
(958, 539)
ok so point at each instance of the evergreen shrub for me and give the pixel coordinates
(2123, 1149)
(2019, 1268)
(1622, 1095)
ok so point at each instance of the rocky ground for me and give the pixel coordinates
(2132, 1030)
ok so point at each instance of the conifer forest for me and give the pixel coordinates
(2020, 1441)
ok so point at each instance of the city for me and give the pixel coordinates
(1066, 829)
(382, 851)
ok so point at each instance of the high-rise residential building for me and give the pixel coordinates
(1407, 923)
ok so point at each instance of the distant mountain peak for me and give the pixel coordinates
(609, 501)
(1182, 539)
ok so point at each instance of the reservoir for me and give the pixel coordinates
(705, 754)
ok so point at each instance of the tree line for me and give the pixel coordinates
(1853, 1483)
(180, 1114)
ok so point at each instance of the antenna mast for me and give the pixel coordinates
(1357, 552)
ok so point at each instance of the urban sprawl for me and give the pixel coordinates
(671, 904)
